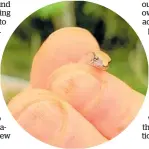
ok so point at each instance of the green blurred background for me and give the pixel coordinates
(129, 62)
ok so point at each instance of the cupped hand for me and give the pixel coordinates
(70, 104)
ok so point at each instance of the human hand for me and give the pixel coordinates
(70, 104)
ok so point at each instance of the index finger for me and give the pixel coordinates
(61, 47)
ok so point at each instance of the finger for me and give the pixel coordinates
(63, 46)
(108, 103)
(53, 121)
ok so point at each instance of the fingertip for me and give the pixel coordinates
(61, 47)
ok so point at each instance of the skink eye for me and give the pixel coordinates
(96, 58)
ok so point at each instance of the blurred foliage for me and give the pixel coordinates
(123, 69)
(115, 25)
(16, 58)
(111, 31)
(51, 10)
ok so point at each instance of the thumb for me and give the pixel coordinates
(51, 120)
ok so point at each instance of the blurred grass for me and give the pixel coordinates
(16, 59)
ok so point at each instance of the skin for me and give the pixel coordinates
(70, 104)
